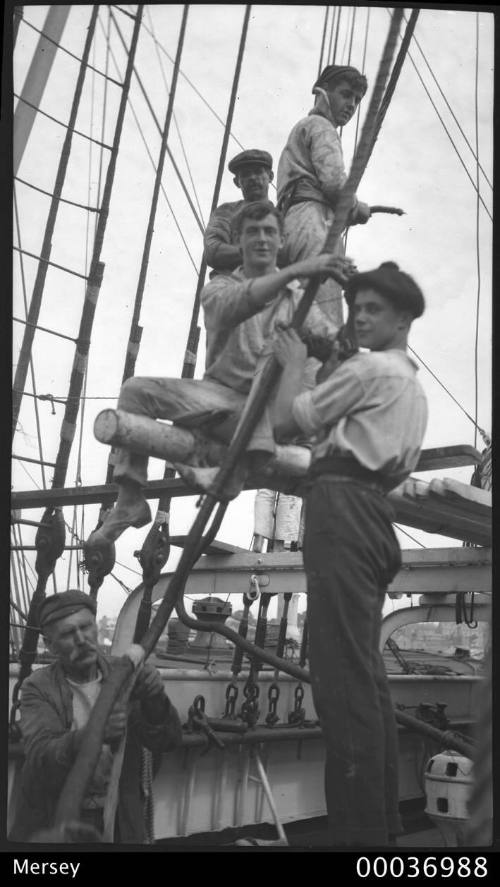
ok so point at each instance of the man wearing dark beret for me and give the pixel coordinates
(253, 171)
(369, 417)
(311, 175)
(56, 702)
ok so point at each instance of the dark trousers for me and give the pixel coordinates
(350, 555)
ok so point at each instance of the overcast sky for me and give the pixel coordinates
(414, 166)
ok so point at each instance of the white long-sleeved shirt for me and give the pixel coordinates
(238, 329)
(372, 408)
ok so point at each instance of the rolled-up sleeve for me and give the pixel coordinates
(228, 302)
(326, 404)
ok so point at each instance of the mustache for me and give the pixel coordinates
(83, 651)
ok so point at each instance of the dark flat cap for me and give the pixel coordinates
(58, 606)
(253, 155)
(397, 286)
(339, 72)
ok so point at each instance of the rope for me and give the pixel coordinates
(141, 133)
(191, 84)
(72, 54)
(32, 371)
(134, 335)
(450, 109)
(352, 34)
(38, 288)
(446, 389)
(95, 277)
(478, 250)
(409, 536)
(320, 65)
(45, 262)
(448, 133)
(70, 129)
(92, 209)
(398, 65)
(162, 69)
(334, 56)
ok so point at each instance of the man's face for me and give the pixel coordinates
(74, 641)
(343, 102)
(253, 179)
(377, 323)
(259, 241)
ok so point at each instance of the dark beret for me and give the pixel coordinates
(399, 288)
(339, 72)
(58, 606)
(253, 155)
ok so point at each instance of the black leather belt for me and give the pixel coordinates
(349, 469)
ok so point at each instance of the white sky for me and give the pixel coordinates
(413, 166)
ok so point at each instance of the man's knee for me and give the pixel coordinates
(131, 397)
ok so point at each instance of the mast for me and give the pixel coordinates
(37, 76)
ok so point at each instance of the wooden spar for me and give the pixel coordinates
(177, 444)
(37, 77)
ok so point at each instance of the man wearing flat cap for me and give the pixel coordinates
(252, 170)
(369, 416)
(311, 175)
(56, 703)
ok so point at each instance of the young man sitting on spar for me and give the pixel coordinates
(241, 313)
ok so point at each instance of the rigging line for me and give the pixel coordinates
(409, 536)
(124, 11)
(17, 609)
(162, 69)
(43, 261)
(443, 386)
(31, 365)
(38, 287)
(158, 126)
(23, 573)
(450, 109)
(76, 132)
(95, 278)
(91, 209)
(135, 331)
(104, 107)
(325, 26)
(346, 35)
(81, 415)
(352, 34)
(478, 250)
(450, 137)
(44, 329)
(363, 62)
(72, 54)
(336, 12)
(339, 10)
(141, 133)
(163, 189)
(191, 84)
(395, 73)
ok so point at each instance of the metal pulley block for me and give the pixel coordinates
(49, 541)
(99, 559)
